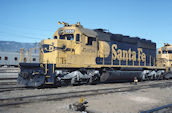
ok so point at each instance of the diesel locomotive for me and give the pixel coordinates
(164, 56)
(77, 55)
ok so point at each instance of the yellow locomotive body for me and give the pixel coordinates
(78, 55)
(75, 46)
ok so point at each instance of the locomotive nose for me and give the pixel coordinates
(31, 75)
(47, 48)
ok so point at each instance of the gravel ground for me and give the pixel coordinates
(120, 102)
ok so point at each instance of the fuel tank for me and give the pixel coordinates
(120, 76)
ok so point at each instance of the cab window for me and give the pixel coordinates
(55, 37)
(77, 37)
(67, 36)
(90, 40)
(170, 52)
(164, 52)
(70, 36)
(62, 37)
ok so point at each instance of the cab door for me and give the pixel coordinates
(78, 42)
(90, 50)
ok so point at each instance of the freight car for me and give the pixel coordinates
(77, 55)
(12, 58)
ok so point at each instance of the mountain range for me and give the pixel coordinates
(12, 46)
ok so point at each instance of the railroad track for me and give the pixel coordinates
(13, 88)
(9, 70)
(7, 83)
(8, 77)
(74, 94)
(12, 78)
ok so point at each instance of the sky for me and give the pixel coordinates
(36, 20)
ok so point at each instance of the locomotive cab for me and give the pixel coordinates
(72, 47)
(68, 46)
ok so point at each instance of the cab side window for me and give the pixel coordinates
(62, 37)
(55, 37)
(90, 40)
(164, 52)
(170, 52)
(77, 37)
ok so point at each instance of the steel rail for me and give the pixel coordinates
(75, 94)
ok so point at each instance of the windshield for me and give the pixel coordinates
(67, 36)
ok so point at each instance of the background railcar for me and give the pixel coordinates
(164, 56)
(13, 58)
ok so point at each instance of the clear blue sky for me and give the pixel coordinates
(35, 20)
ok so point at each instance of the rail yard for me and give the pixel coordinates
(92, 71)
(108, 56)
(102, 98)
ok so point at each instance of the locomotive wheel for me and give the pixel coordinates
(94, 80)
(74, 82)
